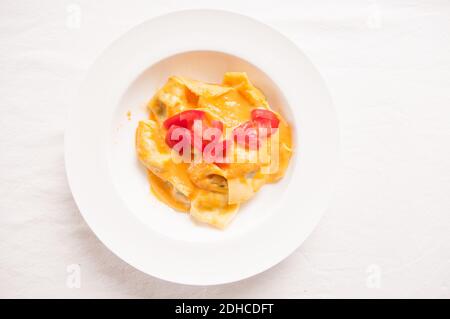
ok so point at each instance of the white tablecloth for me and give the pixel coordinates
(387, 230)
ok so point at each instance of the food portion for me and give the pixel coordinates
(209, 147)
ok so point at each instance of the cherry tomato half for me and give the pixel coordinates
(217, 124)
(184, 119)
(177, 133)
(266, 119)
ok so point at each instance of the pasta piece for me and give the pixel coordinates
(213, 208)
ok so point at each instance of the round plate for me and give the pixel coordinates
(110, 186)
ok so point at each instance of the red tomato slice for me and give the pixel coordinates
(266, 119)
(172, 137)
(184, 119)
(217, 124)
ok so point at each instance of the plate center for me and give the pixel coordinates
(129, 175)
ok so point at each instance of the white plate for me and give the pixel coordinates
(110, 186)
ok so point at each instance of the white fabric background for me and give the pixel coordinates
(387, 230)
